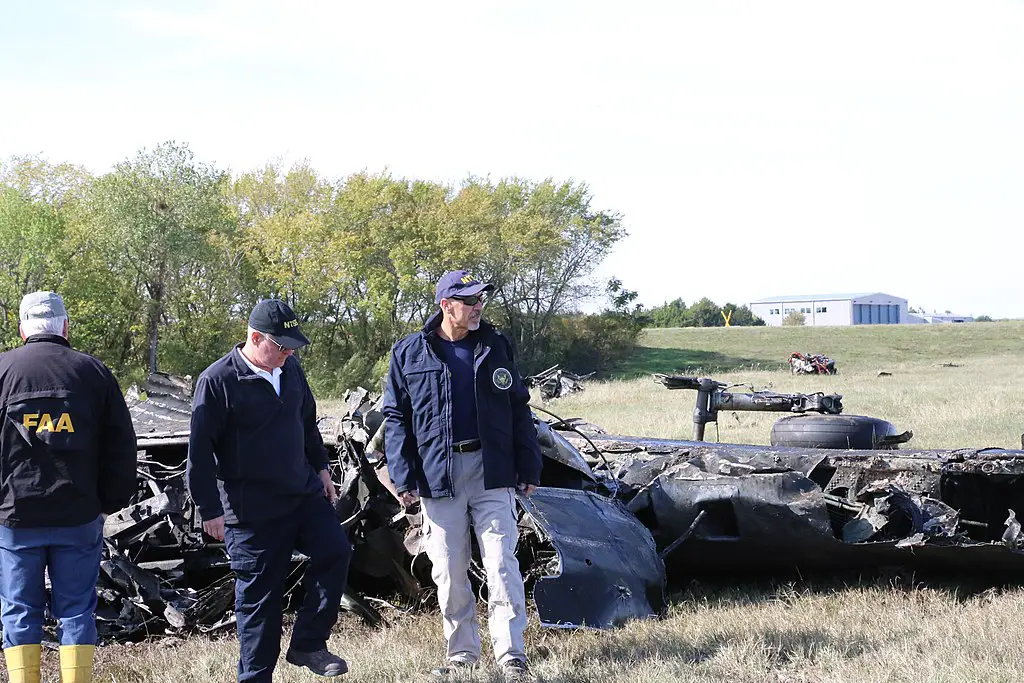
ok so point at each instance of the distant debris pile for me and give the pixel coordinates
(811, 364)
(555, 382)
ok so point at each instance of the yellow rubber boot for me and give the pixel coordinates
(76, 663)
(23, 663)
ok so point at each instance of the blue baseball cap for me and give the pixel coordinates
(459, 283)
(277, 320)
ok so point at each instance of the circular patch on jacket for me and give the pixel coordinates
(502, 379)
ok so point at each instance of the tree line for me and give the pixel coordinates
(702, 313)
(160, 260)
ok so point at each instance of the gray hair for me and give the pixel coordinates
(43, 326)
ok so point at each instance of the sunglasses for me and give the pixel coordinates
(470, 300)
(281, 348)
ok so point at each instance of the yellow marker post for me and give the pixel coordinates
(726, 316)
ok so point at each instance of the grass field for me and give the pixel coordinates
(850, 630)
(977, 403)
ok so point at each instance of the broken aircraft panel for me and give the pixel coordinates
(605, 570)
(774, 508)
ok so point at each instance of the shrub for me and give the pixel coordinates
(794, 319)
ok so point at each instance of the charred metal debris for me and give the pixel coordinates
(615, 517)
(811, 364)
(556, 382)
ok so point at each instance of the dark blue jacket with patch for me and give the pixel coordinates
(252, 455)
(418, 419)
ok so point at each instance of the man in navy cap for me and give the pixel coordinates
(67, 454)
(257, 471)
(460, 438)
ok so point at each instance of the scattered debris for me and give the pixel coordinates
(615, 517)
(555, 382)
(714, 396)
(884, 373)
(949, 365)
(811, 364)
(160, 575)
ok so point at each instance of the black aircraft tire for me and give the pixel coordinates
(831, 431)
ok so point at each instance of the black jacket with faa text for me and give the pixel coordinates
(67, 446)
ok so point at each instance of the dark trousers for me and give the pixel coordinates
(261, 558)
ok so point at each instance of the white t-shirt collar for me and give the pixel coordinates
(274, 377)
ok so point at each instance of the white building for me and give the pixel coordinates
(864, 308)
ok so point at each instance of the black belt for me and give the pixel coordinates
(466, 446)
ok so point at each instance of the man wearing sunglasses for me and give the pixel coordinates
(460, 438)
(257, 471)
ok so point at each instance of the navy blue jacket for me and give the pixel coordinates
(252, 455)
(418, 418)
(67, 446)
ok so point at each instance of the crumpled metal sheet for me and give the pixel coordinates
(607, 570)
(770, 509)
(161, 410)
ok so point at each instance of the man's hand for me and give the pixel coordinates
(409, 498)
(527, 489)
(215, 527)
(325, 477)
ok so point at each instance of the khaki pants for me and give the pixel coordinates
(447, 522)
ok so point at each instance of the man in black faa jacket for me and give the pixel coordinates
(67, 459)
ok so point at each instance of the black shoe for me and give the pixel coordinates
(454, 666)
(320, 662)
(516, 671)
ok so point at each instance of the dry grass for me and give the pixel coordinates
(865, 631)
(786, 633)
(976, 404)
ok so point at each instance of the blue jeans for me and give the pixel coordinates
(71, 555)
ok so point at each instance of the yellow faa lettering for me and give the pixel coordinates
(44, 422)
(64, 424)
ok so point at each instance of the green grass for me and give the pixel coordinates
(720, 349)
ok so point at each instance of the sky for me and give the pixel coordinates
(752, 149)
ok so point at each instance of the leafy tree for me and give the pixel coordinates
(32, 254)
(670, 314)
(983, 319)
(157, 218)
(706, 313)
(794, 319)
(161, 259)
(703, 313)
(742, 316)
(542, 242)
(587, 343)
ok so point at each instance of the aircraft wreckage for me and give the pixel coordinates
(615, 519)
